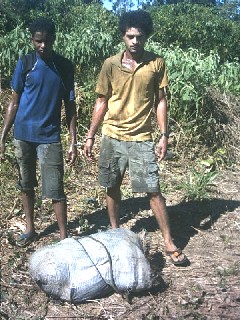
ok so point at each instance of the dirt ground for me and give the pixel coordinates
(207, 231)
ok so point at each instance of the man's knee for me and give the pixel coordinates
(114, 191)
(156, 196)
(28, 192)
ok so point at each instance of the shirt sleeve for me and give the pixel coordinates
(18, 81)
(163, 78)
(70, 92)
(103, 84)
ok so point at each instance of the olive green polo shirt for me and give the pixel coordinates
(131, 96)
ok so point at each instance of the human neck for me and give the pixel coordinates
(46, 57)
(133, 56)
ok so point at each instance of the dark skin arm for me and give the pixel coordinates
(8, 121)
(100, 109)
(71, 118)
(161, 111)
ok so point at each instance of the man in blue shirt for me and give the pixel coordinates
(35, 111)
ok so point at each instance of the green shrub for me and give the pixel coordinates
(197, 26)
(191, 73)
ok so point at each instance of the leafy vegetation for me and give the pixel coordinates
(198, 185)
(193, 26)
(198, 42)
(191, 73)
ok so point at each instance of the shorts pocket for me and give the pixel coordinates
(108, 173)
(144, 176)
(153, 168)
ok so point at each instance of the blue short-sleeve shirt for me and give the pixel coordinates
(38, 118)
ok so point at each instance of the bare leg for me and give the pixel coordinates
(158, 206)
(113, 199)
(28, 207)
(60, 209)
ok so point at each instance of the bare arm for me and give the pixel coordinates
(8, 121)
(162, 123)
(99, 112)
(71, 118)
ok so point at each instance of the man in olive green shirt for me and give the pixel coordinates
(130, 85)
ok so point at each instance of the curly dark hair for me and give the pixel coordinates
(42, 25)
(136, 19)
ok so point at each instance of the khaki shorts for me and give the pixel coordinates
(51, 166)
(139, 157)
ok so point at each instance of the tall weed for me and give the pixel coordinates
(198, 185)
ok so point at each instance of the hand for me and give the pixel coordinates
(2, 154)
(88, 149)
(162, 148)
(72, 155)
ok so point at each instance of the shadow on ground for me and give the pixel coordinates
(184, 217)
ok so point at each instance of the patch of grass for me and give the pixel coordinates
(163, 186)
(232, 271)
(198, 185)
(83, 225)
(224, 238)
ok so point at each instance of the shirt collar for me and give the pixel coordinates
(146, 57)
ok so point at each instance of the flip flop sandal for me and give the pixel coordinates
(26, 238)
(176, 253)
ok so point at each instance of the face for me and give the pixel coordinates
(43, 44)
(134, 40)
